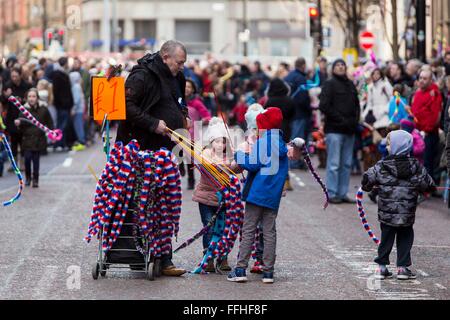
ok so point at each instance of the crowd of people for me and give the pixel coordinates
(349, 116)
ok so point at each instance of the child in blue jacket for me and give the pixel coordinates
(267, 165)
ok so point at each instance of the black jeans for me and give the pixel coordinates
(405, 239)
(431, 152)
(32, 157)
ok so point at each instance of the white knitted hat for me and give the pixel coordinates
(252, 113)
(216, 129)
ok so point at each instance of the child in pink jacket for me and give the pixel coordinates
(418, 143)
(219, 152)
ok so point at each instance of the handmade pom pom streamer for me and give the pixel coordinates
(362, 216)
(157, 200)
(53, 135)
(300, 143)
(16, 170)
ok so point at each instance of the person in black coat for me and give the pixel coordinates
(301, 122)
(278, 96)
(63, 99)
(34, 139)
(340, 104)
(155, 101)
(19, 88)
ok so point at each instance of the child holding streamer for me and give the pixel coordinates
(267, 165)
(399, 179)
(34, 140)
(219, 152)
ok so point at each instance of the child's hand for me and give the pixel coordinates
(17, 122)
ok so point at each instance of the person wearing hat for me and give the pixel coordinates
(267, 165)
(301, 120)
(218, 150)
(339, 103)
(399, 179)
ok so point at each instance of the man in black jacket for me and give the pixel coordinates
(340, 104)
(302, 119)
(154, 102)
(63, 99)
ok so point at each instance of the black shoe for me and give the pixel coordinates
(348, 200)
(182, 170)
(28, 181)
(35, 183)
(383, 273)
(405, 274)
(335, 200)
(191, 185)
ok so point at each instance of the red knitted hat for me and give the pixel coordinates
(269, 119)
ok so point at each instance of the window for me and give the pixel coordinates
(144, 29)
(195, 34)
(279, 47)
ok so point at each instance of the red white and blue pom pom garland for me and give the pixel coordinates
(54, 135)
(159, 201)
(362, 216)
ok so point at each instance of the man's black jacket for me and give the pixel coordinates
(152, 95)
(339, 103)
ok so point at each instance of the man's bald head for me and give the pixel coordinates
(425, 79)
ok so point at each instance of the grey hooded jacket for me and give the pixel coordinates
(399, 179)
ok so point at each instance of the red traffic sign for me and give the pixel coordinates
(367, 40)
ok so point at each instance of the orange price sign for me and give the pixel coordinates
(108, 97)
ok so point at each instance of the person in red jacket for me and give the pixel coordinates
(426, 108)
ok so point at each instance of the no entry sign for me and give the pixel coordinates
(367, 40)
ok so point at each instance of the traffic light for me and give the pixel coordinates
(61, 33)
(314, 20)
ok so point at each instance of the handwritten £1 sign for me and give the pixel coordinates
(108, 97)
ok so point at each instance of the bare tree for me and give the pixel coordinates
(395, 42)
(349, 14)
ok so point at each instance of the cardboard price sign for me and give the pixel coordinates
(108, 97)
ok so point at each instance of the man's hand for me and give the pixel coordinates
(17, 122)
(162, 128)
(189, 123)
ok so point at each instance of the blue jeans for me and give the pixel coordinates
(63, 120)
(300, 129)
(339, 163)
(78, 124)
(206, 213)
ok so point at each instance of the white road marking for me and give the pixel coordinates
(358, 259)
(45, 284)
(423, 273)
(37, 235)
(67, 163)
(430, 246)
(440, 286)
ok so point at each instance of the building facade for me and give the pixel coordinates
(440, 12)
(22, 24)
(277, 28)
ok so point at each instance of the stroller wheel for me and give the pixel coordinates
(151, 271)
(158, 268)
(95, 270)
